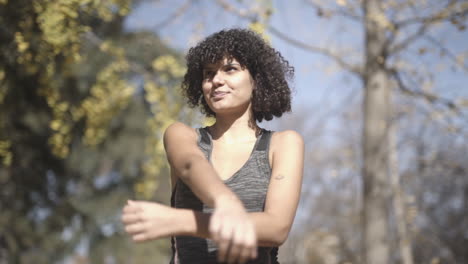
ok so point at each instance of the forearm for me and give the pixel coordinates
(269, 232)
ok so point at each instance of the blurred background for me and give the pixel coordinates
(87, 88)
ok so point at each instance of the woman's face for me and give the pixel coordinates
(227, 86)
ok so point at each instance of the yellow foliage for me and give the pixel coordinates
(5, 153)
(109, 95)
(260, 29)
(165, 107)
(62, 31)
(147, 187)
(20, 42)
(58, 26)
(108, 47)
(55, 124)
(168, 63)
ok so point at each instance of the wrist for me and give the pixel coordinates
(227, 200)
(192, 223)
(185, 222)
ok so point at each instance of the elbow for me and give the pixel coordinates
(187, 167)
(276, 241)
(184, 171)
(278, 238)
(281, 237)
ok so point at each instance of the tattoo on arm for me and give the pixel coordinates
(279, 177)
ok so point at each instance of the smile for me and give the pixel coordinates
(219, 95)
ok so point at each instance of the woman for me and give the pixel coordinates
(235, 186)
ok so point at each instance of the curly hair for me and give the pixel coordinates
(270, 71)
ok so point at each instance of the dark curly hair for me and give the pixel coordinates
(270, 71)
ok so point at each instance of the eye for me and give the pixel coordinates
(230, 69)
(207, 74)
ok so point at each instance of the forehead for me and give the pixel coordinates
(225, 61)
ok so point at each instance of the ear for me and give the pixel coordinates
(254, 83)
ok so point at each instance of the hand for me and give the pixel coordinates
(148, 220)
(234, 232)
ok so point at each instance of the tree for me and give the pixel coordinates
(396, 35)
(375, 140)
(83, 105)
(383, 31)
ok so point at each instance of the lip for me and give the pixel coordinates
(218, 94)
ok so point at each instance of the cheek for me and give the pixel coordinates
(249, 87)
(205, 89)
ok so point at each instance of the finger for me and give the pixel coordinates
(236, 247)
(245, 254)
(254, 249)
(225, 236)
(135, 228)
(133, 208)
(247, 250)
(130, 218)
(251, 242)
(214, 228)
(141, 237)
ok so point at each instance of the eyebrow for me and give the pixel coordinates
(211, 67)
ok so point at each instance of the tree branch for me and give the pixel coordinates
(352, 68)
(322, 11)
(447, 51)
(434, 18)
(428, 97)
(251, 16)
(177, 13)
(394, 49)
(135, 67)
(426, 22)
(247, 14)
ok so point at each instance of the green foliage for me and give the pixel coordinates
(83, 106)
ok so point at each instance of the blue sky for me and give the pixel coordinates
(320, 85)
(314, 80)
(315, 74)
(323, 90)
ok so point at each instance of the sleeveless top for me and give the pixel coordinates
(249, 183)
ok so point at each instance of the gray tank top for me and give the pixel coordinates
(249, 183)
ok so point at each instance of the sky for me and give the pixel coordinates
(315, 78)
(321, 87)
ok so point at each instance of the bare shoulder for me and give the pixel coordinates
(286, 139)
(178, 130)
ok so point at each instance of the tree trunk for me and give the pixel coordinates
(375, 139)
(404, 240)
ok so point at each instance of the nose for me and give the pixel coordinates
(218, 78)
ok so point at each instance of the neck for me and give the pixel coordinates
(235, 128)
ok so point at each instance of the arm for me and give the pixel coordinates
(272, 226)
(274, 223)
(229, 226)
(188, 162)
